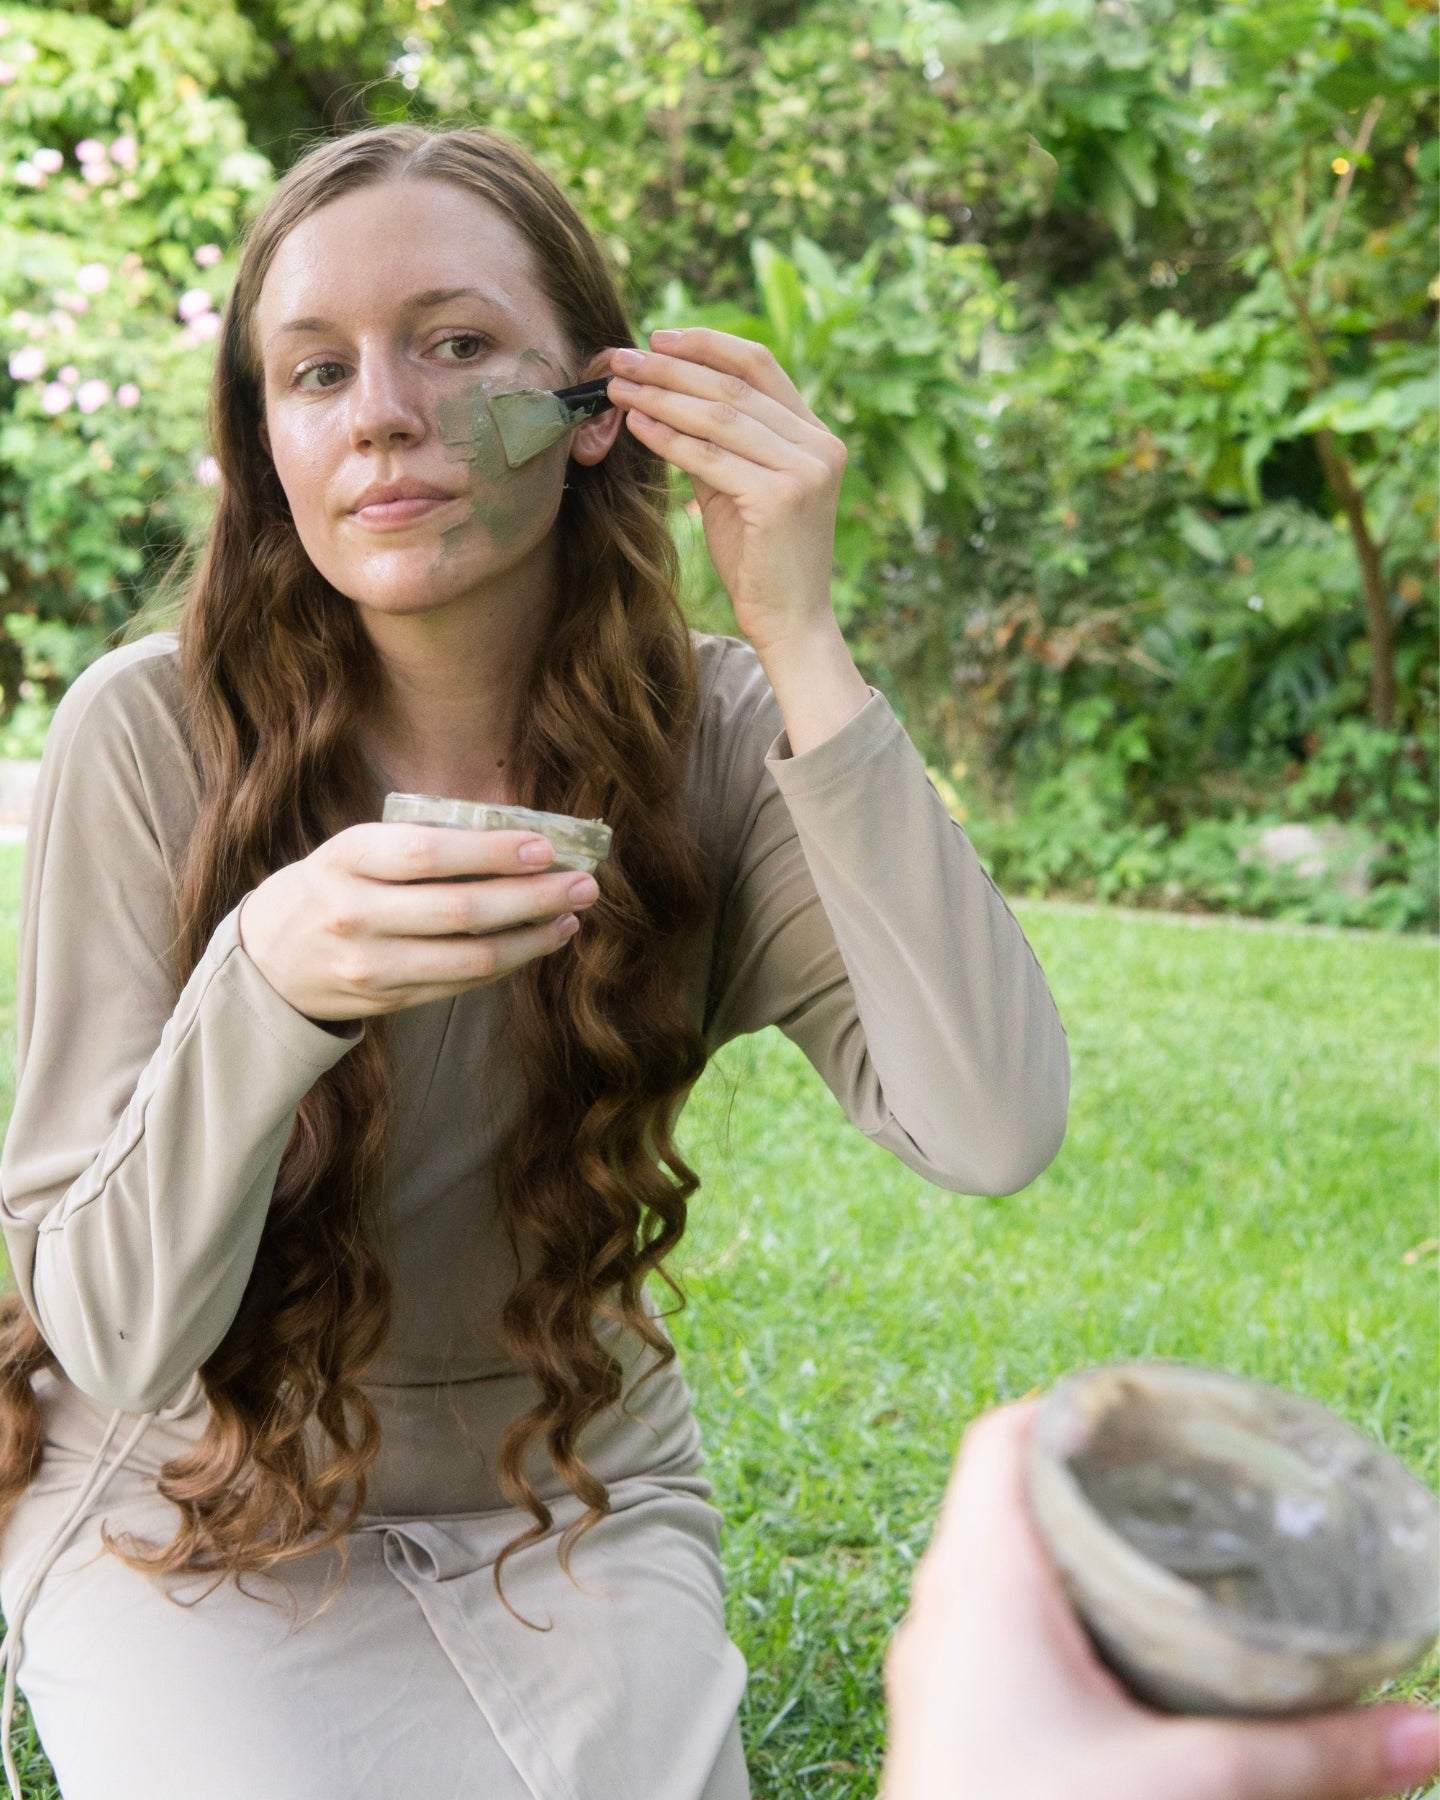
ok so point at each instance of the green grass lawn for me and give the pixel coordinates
(1252, 1153)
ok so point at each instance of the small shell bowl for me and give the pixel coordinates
(1232, 1548)
(580, 844)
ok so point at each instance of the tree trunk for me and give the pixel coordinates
(1378, 627)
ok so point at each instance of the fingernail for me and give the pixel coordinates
(626, 359)
(1412, 1747)
(566, 927)
(536, 850)
(583, 889)
(664, 337)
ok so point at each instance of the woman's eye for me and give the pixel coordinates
(315, 369)
(476, 340)
(466, 337)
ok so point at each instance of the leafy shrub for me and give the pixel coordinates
(1124, 312)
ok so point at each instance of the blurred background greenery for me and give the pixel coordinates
(1125, 310)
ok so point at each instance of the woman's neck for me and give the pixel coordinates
(454, 683)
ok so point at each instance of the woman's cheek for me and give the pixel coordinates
(306, 454)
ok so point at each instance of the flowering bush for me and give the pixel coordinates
(123, 176)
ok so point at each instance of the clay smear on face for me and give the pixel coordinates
(508, 485)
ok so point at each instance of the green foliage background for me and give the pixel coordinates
(1125, 310)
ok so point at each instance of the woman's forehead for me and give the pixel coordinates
(394, 247)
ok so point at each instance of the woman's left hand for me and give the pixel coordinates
(765, 470)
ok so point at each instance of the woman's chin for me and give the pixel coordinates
(421, 580)
(404, 599)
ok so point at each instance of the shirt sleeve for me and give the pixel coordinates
(147, 1132)
(859, 919)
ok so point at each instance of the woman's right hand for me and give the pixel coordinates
(379, 917)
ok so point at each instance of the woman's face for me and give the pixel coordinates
(385, 322)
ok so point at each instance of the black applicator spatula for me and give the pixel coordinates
(532, 419)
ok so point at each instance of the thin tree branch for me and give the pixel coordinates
(1352, 502)
(1320, 371)
(1372, 579)
(1357, 149)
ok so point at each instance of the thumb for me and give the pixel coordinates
(1359, 1754)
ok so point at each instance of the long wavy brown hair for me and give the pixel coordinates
(278, 675)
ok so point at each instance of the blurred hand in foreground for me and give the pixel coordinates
(996, 1694)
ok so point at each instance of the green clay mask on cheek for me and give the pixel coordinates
(500, 446)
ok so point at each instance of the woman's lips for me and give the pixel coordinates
(385, 515)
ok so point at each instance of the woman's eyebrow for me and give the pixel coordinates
(416, 303)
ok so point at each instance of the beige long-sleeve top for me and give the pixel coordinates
(847, 908)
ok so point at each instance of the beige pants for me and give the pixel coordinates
(414, 1683)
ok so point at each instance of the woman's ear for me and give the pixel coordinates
(593, 440)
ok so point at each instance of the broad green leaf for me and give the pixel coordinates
(820, 275)
(1258, 446)
(1113, 197)
(1200, 535)
(921, 442)
(1134, 156)
(897, 479)
(782, 293)
(1354, 406)
(888, 393)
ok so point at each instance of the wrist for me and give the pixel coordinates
(816, 683)
(814, 633)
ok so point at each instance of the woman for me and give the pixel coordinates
(346, 1210)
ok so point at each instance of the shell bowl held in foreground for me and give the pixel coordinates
(1232, 1548)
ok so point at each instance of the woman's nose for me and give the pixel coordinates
(389, 404)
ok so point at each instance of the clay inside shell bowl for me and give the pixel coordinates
(1230, 1547)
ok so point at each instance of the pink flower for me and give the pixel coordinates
(96, 172)
(193, 302)
(92, 278)
(8, 72)
(75, 303)
(126, 394)
(208, 255)
(68, 373)
(55, 397)
(28, 175)
(28, 363)
(207, 472)
(89, 150)
(92, 395)
(51, 161)
(202, 328)
(125, 151)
